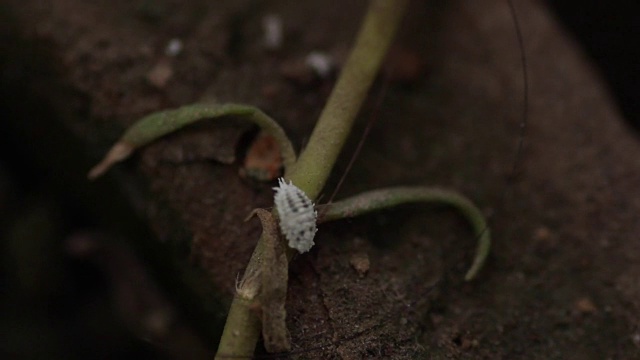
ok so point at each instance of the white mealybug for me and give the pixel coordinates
(297, 216)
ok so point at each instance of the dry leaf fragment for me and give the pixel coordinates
(263, 161)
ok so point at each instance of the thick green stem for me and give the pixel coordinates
(313, 167)
(243, 326)
(240, 342)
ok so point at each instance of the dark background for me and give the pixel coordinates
(609, 33)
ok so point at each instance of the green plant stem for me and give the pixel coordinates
(241, 342)
(385, 198)
(312, 169)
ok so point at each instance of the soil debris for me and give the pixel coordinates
(360, 263)
(263, 161)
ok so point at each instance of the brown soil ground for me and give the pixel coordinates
(563, 278)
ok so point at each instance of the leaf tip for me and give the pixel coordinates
(118, 152)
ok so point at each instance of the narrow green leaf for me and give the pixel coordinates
(385, 198)
(161, 123)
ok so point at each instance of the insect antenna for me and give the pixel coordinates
(365, 133)
(524, 118)
(524, 115)
(525, 90)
